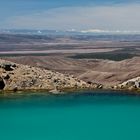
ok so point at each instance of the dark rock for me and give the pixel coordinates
(12, 73)
(55, 80)
(7, 67)
(15, 89)
(89, 82)
(130, 84)
(14, 66)
(7, 77)
(139, 85)
(49, 77)
(2, 84)
(100, 86)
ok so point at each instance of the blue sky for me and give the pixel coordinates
(83, 15)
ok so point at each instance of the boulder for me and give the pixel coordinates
(89, 82)
(130, 83)
(100, 86)
(7, 67)
(2, 84)
(6, 77)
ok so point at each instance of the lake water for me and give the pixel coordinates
(89, 115)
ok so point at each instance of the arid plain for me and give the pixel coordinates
(104, 59)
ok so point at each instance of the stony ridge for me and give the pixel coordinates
(132, 84)
(18, 77)
(15, 77)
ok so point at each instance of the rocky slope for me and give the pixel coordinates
(132, 84)
(106, 72)
(15, 77)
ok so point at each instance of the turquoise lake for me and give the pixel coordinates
(88, 115)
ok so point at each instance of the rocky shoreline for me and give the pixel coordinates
(131, 85)
(16, 77)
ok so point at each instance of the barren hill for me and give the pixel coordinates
(105, 72)
(23, 77)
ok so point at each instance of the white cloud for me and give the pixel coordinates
(116, 18)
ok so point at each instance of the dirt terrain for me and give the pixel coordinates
(99, 71)
(106, 60)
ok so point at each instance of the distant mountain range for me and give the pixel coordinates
(67, 32)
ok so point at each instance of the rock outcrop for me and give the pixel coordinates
(15, 77)
(2, 84)
(132, 84)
